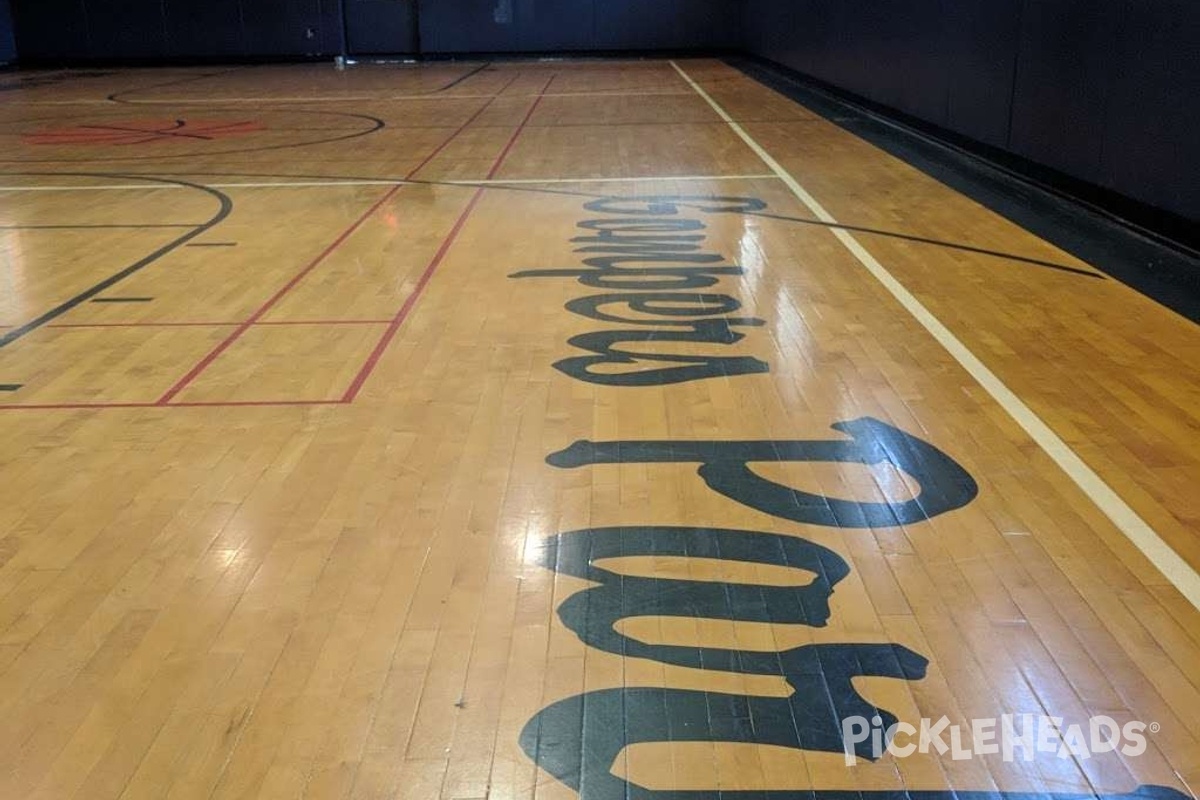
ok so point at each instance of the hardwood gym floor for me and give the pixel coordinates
(326, 396)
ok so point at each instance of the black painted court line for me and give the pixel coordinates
(462, 78)
(1037, 262)
(1163, 273)
(966, 248)
(225, 209)
(10, 387)
(119, 97)
(122, 299)
(152, 134)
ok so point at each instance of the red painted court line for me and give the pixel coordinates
(204, 363)
(145, 325)
(312, 322)
(244, 403)
(413, 172)
(320, 322)
(32, 406)
(513, 140)
(241, 327)
(373, 359)
(182, 404)
(275, 298)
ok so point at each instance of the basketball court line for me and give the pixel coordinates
(375, 123)
(523, 181)
(217, 324)
(373, 359)
(224, 210)
(245, 325)
(209, 101)
(394, 324)
(396, 182)
(96, 225)
(517, 185)
(115, 96)
(1121, 514)
(155, 404)
(377, 352)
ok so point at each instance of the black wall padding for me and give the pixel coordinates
(74, 30)
(381, 27)
(546, 25)
(149, 29)
(1106, 91)
(8, 45)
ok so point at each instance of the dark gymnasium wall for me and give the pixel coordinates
(8, 45)
(74, 30)
(149, 29)
(449, 26)
(1105, 91)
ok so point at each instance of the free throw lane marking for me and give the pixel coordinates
(385, 182)
(1136, 529)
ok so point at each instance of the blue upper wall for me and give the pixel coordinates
(1105, 91)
